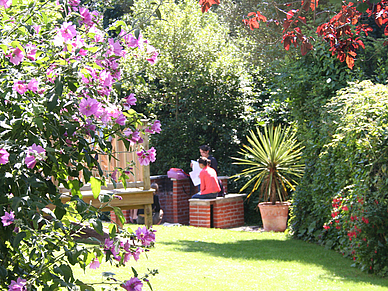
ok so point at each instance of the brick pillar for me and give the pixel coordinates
(229, 211)
(200, 213)
(224, 180)
(182, 192)
(165, 195)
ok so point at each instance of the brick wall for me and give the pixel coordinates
(174, 198)
(200, 214)
(229, 212)
(219, 213)
(182, 192)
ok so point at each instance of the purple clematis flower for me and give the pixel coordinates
(95, 264)
(8, 218)
(152, 54)
(154, 128)
(20, 87)
(146, 157)
(34, 153)
(130, 101)
(16, 56)
(31, 51)
(145, 236)
(4, 156)
(19, 285)
(33, 85)
(121, 119)
(134, 284)
(90, 106)
(6, 3)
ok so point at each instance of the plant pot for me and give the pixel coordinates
(274, 217)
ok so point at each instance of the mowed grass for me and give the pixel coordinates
(190, 258)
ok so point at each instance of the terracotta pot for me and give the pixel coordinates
(274, 216)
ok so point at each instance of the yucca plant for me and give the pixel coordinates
(273, 160)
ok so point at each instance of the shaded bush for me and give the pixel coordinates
(342, 200)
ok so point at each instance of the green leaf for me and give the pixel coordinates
(58, 87)
(87, 174)
(4, 47)
(52, 102)
(117, 86)
(15, 202)
(112, 229)
(149, 285)
(158, 14)
(104, 198)
(362, 7)
(83, 286)
(137, 33)
(39, 122)
(59, 212)
(134, 272)
(74, 187)
(18, 239)
(16, 44)
(97, 225)
(119, 214)
(44, 18)
(3, 272)
(65, 271)
(96, 186)
(72, 86)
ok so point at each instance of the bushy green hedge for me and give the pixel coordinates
(342, 199)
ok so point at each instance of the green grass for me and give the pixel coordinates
(191, 258)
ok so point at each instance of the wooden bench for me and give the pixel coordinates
(222, 212)
(132, 198)
(136, 195)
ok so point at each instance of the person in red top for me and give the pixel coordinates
(209, 181)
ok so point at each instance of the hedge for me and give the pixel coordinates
(342, 199)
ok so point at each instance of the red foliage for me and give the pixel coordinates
(309, 4)
(206, 4)
(253, 22)
(337, 32)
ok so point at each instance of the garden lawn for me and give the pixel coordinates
(190, 258)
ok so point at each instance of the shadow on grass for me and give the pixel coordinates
(289, 250)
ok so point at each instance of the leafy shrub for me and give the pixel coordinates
(200, 88)
(341, 201)
(60, 105)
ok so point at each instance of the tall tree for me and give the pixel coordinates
(200, 88)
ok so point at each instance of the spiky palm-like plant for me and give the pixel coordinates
(273, 160)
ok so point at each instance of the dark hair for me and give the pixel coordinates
(155, 186)
(204, 161)
(205, 148)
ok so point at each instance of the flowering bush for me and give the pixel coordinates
(360, 220)
(61, 104)
(342, 202)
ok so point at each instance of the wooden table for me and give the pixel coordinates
(132, 198)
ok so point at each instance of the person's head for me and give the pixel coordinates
(203, 162)
(155, 186)
(204, 150)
